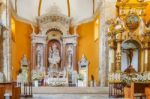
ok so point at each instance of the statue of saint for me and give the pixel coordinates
(24, 61)
(39, 57)
(69, 56)
(1, 77)
(54, 57)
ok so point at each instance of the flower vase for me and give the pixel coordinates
(80, 83)
(36, 83)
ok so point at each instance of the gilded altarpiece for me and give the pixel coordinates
(129, 38)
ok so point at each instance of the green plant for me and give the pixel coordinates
(80, 76)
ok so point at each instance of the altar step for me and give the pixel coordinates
(69, 90)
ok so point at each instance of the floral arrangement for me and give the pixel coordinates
(127, 79)
(135, 77)
(37, 75)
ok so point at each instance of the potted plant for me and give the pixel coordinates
(80, 80)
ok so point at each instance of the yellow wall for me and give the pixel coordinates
(89, 47)
(147, 11)
(20, 44)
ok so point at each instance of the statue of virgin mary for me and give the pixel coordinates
(54, 57)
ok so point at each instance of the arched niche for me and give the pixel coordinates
(58, 46)
(131, 55)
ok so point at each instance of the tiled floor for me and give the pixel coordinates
(70, 96)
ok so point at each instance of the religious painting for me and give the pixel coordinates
(132, 21)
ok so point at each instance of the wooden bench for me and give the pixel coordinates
(10, 90)
(2, 92)
(16, 92)
(147, 92)
(136, 90)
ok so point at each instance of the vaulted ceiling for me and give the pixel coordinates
(76, 9)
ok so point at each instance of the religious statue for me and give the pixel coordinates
(40, 57)
(69, 56)
(24, 68)
(1, 77)
(129, 53)
(54, 57)
(24, 61)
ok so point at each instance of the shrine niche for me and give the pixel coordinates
(54, 48)
(128, 39)
(25, 68)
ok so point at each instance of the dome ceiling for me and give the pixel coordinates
(76, 9)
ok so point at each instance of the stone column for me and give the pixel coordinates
(74, 57)
(107, 11)
(1, 49)
(45, 57)
(7, 69)
(46, 53)
(63, 55)
(33, 64)
(7, 56)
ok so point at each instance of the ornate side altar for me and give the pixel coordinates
(128, 38)
(54, 48)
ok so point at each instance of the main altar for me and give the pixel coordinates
(53, 50)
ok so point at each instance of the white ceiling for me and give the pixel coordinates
(79, 9)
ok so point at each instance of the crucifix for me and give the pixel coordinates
(129, 53)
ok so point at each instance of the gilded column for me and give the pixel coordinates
(111, 59)
(118, 57)
(141, 62)
(146, 57)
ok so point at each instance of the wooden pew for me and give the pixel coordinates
(135, 90)
(147, 92)
(16, 92)
(9, 89)
(2, 92)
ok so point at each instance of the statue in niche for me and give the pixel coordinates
(54, 57)
(129, 53)
(1, 77)
(24, 68)
(83, 62)
(69, 56)
(39, 57)
(130, 68)
(24, 61)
